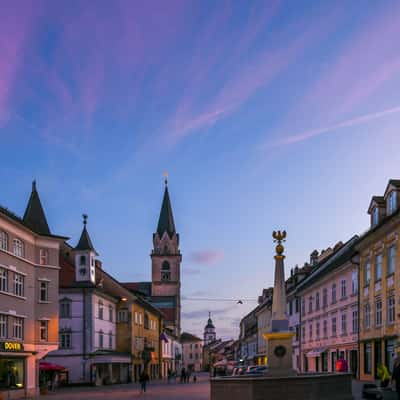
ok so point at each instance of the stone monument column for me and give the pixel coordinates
(279, 338)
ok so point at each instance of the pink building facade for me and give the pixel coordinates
(329, 317)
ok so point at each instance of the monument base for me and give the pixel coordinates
(279, 353)
(300, 387)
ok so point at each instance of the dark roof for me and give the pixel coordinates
(209, 324)
(141, 287)
(166, 219)
(188, 337)
(394, 182)
(34, 217)
(85, 242)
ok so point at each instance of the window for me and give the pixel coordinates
(367, 316)
(310, 330)
(354, 324)
(303, 333)
(334, 326)
(136, 317)
(290, 304)
(101, 339)
(324, 297)
(18, 328)
(310, 305)
(378, 313)
(17, 366)
(378, 267)
(317, 330)
(165, 271)
(44, 329)
(3, 326)
(303, 307)
(325, 328)
(196, 346)
(343, 288)
(297, 305)
(391, 202)
(110, 340)
(3, 280)
(3, 241)
(65, 339)
(110, 313)
(65, 309)
(391, 260)
(190, 355)
(367, 273)
(146, 321)
(44, 256)
(367, 357)
(123, 316)
(44, 291)
(18, 247)
(375, 216)
(101, 310)
(82, 260)
(317, 301)
(334, 293)
(140, 319)
(344, 324)
(354, 282)
(391, 309)
(18, 285)
(196, 356)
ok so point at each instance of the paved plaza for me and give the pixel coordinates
(159, 390)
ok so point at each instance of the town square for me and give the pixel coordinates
(199, 200)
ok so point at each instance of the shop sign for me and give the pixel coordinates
(11, 346)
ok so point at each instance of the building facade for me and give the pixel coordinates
(90, 302)
(329, 311)
(192, 349)
(263, 315)
(249, 338)
(380, 284)
(29, 268)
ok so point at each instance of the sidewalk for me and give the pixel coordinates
(357, 390)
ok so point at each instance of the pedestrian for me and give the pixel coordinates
(143, 379)
(194, 378)
(396, 375)
(383, 375)
(188, 375)
(183, 375)
(169, 373)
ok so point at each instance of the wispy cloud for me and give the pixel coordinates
(207, 257)
(363, 119)
(203, 313)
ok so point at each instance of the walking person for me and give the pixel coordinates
(143, 379)
(183, 375)
(396, 375)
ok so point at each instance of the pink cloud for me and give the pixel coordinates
(207, 257)
(363, 119)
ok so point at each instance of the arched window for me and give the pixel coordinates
(165, 271)
(3, 241)
(18, 247)
(82, 260)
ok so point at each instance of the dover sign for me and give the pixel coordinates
(11, 346)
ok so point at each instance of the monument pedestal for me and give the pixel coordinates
(279, 352)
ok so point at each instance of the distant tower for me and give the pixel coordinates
(166, 261)
(209, 331)
(85, 255)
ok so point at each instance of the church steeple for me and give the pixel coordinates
(210, 334)
(34, 216)
(85, 243)
(166, 220)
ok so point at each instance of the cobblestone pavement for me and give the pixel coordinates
(161, 390)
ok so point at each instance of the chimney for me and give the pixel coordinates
(314, 258)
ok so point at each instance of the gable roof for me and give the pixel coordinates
(188, 337)
(34, 216)
(166, 220)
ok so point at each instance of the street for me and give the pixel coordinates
(160, 390)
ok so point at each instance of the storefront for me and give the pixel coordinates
(13, 369)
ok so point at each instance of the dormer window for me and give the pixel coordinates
(391, 202)
(375, 216)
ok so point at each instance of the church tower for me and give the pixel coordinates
(166, 266)
(85, 255)
(209, 331)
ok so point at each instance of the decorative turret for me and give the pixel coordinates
(209, 331)
(85, 255)
(34, 216)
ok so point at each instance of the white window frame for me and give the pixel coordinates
(391, 202)
(3, 240)
(354, 282)
(378, 313)
(43, 291)
(43, 257)
(367, 273)
(375, 216)
(66, 339)
(19, 285)
(18, 328)
(334, 326)
(391, 309)
(18, 248)
(344, 324)
(378, 267)
(3, 280)
(100, 310)
(43, 330)
(334, 299)
(101, 339)
(3, 326)
(355, 321)
(367, 316)
(65, 308)
(343, 288)
(392, 259)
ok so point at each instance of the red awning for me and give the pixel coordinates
(46, 366)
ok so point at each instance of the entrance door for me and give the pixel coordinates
(354, 362)
(333, 361)
(317, 364)
(377, 356)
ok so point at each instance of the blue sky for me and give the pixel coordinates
(267, 115)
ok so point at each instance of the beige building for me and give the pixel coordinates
(380, 283)
(29, 268)
(192, 349)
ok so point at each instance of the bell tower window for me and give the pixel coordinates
(165, 271)
(82, 260)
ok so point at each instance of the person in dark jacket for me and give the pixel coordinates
(396, 375)
(143, 379)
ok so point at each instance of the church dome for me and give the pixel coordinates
(209, 325)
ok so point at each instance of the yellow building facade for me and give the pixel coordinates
(379, 250)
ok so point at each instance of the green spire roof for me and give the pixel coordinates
(166, 220)
(34, 217)
(85, 242)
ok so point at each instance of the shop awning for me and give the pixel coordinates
(316, 352)
(46, 366)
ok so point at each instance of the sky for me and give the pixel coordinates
(266, 114)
